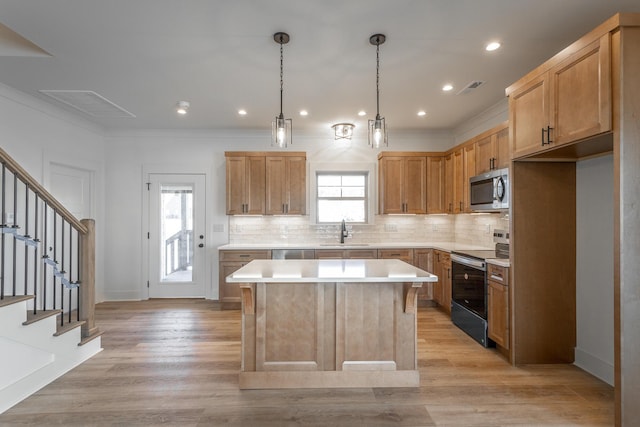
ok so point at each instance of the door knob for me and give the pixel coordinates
(201, 245)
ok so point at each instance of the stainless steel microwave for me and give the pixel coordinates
(490, 191)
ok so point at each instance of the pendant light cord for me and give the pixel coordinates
(281, 79)
(378, 79)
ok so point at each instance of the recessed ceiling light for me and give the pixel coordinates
(422, 113)
(304, 113)
(182, 107)
(362, 113)
(242, 112)
(492, 46)
(447, 87)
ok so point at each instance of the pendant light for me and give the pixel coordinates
(281, 127)
(377, 127)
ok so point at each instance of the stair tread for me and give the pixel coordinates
(39, 315)
(14, 300)
(68, 327)
(90, 338)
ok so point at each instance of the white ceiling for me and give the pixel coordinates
(145, 55)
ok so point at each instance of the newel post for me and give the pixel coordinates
(88, 278)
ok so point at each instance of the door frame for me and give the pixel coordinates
(178, 169)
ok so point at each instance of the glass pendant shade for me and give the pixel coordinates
(281, 132)
(378, 133)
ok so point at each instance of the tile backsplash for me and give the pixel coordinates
(475, 229)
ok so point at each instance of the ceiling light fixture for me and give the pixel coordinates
(362, 113)
(182, 107)
(447, 87)
(377, 127)
(304, 113)
(422, 113)
(242, 112)
(281, 127)
(343, 130)
(492, 46)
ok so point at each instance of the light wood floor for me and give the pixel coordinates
(176, 362)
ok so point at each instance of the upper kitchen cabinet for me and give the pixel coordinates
(402, 183)
(245, 184)
(435, 185)
(286, 185)
(563, 101)
(260, 183)
(492, 149)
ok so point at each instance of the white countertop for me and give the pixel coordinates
(502, 262)
(325, 270)
(443, 246)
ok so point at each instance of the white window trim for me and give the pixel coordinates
(368, 168)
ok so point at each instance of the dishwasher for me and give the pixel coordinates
(293, 254)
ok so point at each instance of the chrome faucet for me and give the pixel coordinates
(343, 232)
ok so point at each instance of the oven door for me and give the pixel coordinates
(469, 284)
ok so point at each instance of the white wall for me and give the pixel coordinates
(128, 154)
(37, 134)
(594, 267)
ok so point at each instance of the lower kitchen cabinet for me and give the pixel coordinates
(230, 261)
(498, 304)
(442, 290)
(423, 259)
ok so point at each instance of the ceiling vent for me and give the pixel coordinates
(88, 102)
(470, 87)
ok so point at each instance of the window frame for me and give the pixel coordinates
(367, 169)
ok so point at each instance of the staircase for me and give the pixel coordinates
(35, 353)
(47, 280)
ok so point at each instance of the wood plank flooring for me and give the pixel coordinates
(176, 363)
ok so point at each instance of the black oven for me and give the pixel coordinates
(469, 294)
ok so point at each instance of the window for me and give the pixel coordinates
(341, 195)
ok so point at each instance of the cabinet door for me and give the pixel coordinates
(296, 179)
(469, 171)
(528, 113)
(391, 185)
(485, 154)
(435, 185)
(423, 259)
(502, 149)
(445, 259)
(276, 181)
(415, 185)
(329, 254)
(437, 286)
(255, 185)
(498, 313)
(229, 293)
(581, 93)
(236, 176)
(458, 181)
(448, 183)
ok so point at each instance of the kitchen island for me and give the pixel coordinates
(329, 323)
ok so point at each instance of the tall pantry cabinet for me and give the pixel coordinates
(582, 102)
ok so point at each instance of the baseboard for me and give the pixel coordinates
(594, 365)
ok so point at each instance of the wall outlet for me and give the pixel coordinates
(391, 227)
(434, 227)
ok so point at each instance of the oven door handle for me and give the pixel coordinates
(480, 265)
